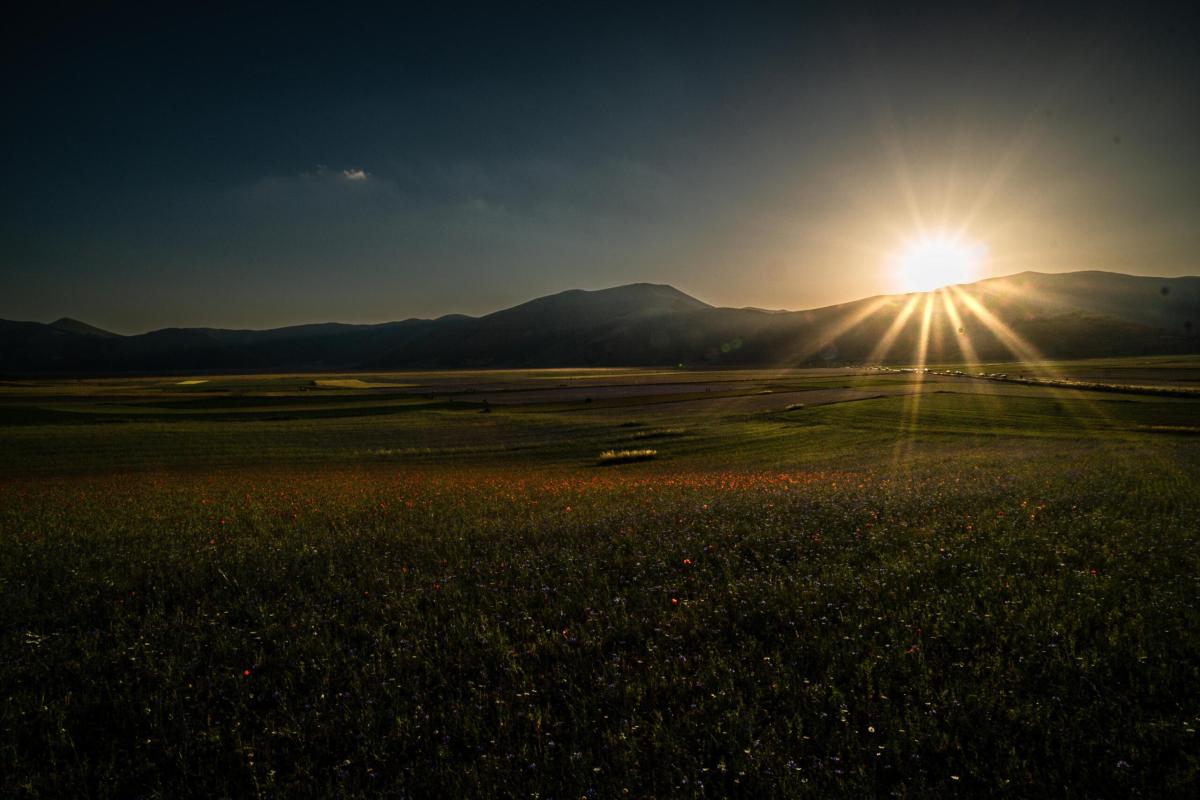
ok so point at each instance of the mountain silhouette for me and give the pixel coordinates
(69, 325)
(1029, 315)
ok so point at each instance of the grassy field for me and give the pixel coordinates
(823, 583)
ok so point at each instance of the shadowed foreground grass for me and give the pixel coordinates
(1007, 620)
(271, 593)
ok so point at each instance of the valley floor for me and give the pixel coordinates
(839, 582)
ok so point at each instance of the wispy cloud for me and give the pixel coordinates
(323, 190)
(324, 174)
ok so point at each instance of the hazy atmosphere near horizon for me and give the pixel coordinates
(253, 165)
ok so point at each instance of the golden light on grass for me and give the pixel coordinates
(932, 261)
(912, 411)
(624, 456)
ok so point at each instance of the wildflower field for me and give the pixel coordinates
(914, 595)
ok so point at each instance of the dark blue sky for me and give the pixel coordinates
(253, 165)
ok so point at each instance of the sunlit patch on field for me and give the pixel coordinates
(357, 383)
(609, 457)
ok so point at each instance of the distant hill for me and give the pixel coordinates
(1066, 315)
(82, 328)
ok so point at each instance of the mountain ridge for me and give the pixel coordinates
(1075, 314)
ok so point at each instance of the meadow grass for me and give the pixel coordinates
(972, 597)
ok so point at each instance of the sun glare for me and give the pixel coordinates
(932, 262)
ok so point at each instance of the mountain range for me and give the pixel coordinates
(1063, 315)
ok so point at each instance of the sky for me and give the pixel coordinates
(253, 165)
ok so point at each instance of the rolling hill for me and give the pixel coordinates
(1066, 315)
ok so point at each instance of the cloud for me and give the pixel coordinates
(323, 174)
(323, 192)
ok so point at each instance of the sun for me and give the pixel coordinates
(931, 262)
